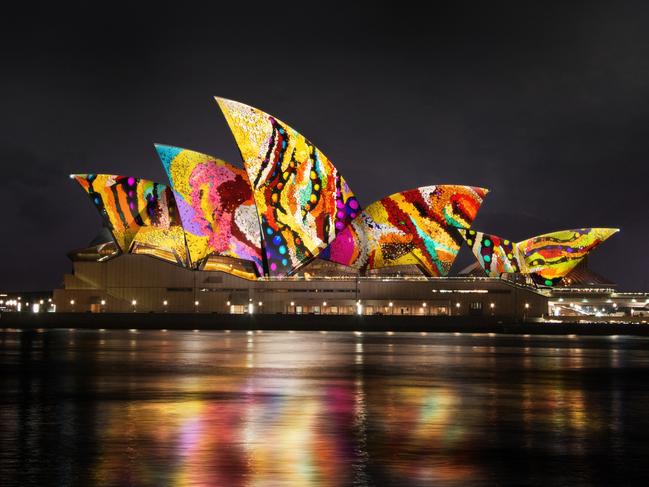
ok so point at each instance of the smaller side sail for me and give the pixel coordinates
(141, 214)
(550, 257)
(495, 254)
(216, 205)
(302, 200)
(411, 227)
(95, 186)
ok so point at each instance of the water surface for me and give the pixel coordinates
(157, 408)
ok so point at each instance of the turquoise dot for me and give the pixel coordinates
(269, 231)
(486, 243)
(282, 249)
(284, 262)
(487, 258)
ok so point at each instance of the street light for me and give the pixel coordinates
(196, 303)
(492, 306)
(71, 305)
(134, 304)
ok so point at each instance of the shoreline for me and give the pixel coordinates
(278, 322)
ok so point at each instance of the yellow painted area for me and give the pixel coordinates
(554, 255)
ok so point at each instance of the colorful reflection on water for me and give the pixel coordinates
(277, 408)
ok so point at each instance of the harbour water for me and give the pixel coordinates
(200, 408)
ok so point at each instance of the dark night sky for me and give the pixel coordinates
(546, 104)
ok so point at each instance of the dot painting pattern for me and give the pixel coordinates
(547, 259)
(551, 256)
(290, 205)
(412, 227)
(302, 201)
(138, 212)
(496, 255)
(216, 206)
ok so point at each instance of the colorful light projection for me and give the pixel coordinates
(546, 258)
(410, 227)
(550, 257)
(216, 206)
(302, 201)
(496, 255)
(141, 214)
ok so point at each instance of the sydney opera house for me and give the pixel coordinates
(285, 233)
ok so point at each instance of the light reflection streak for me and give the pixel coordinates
(330, 409)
